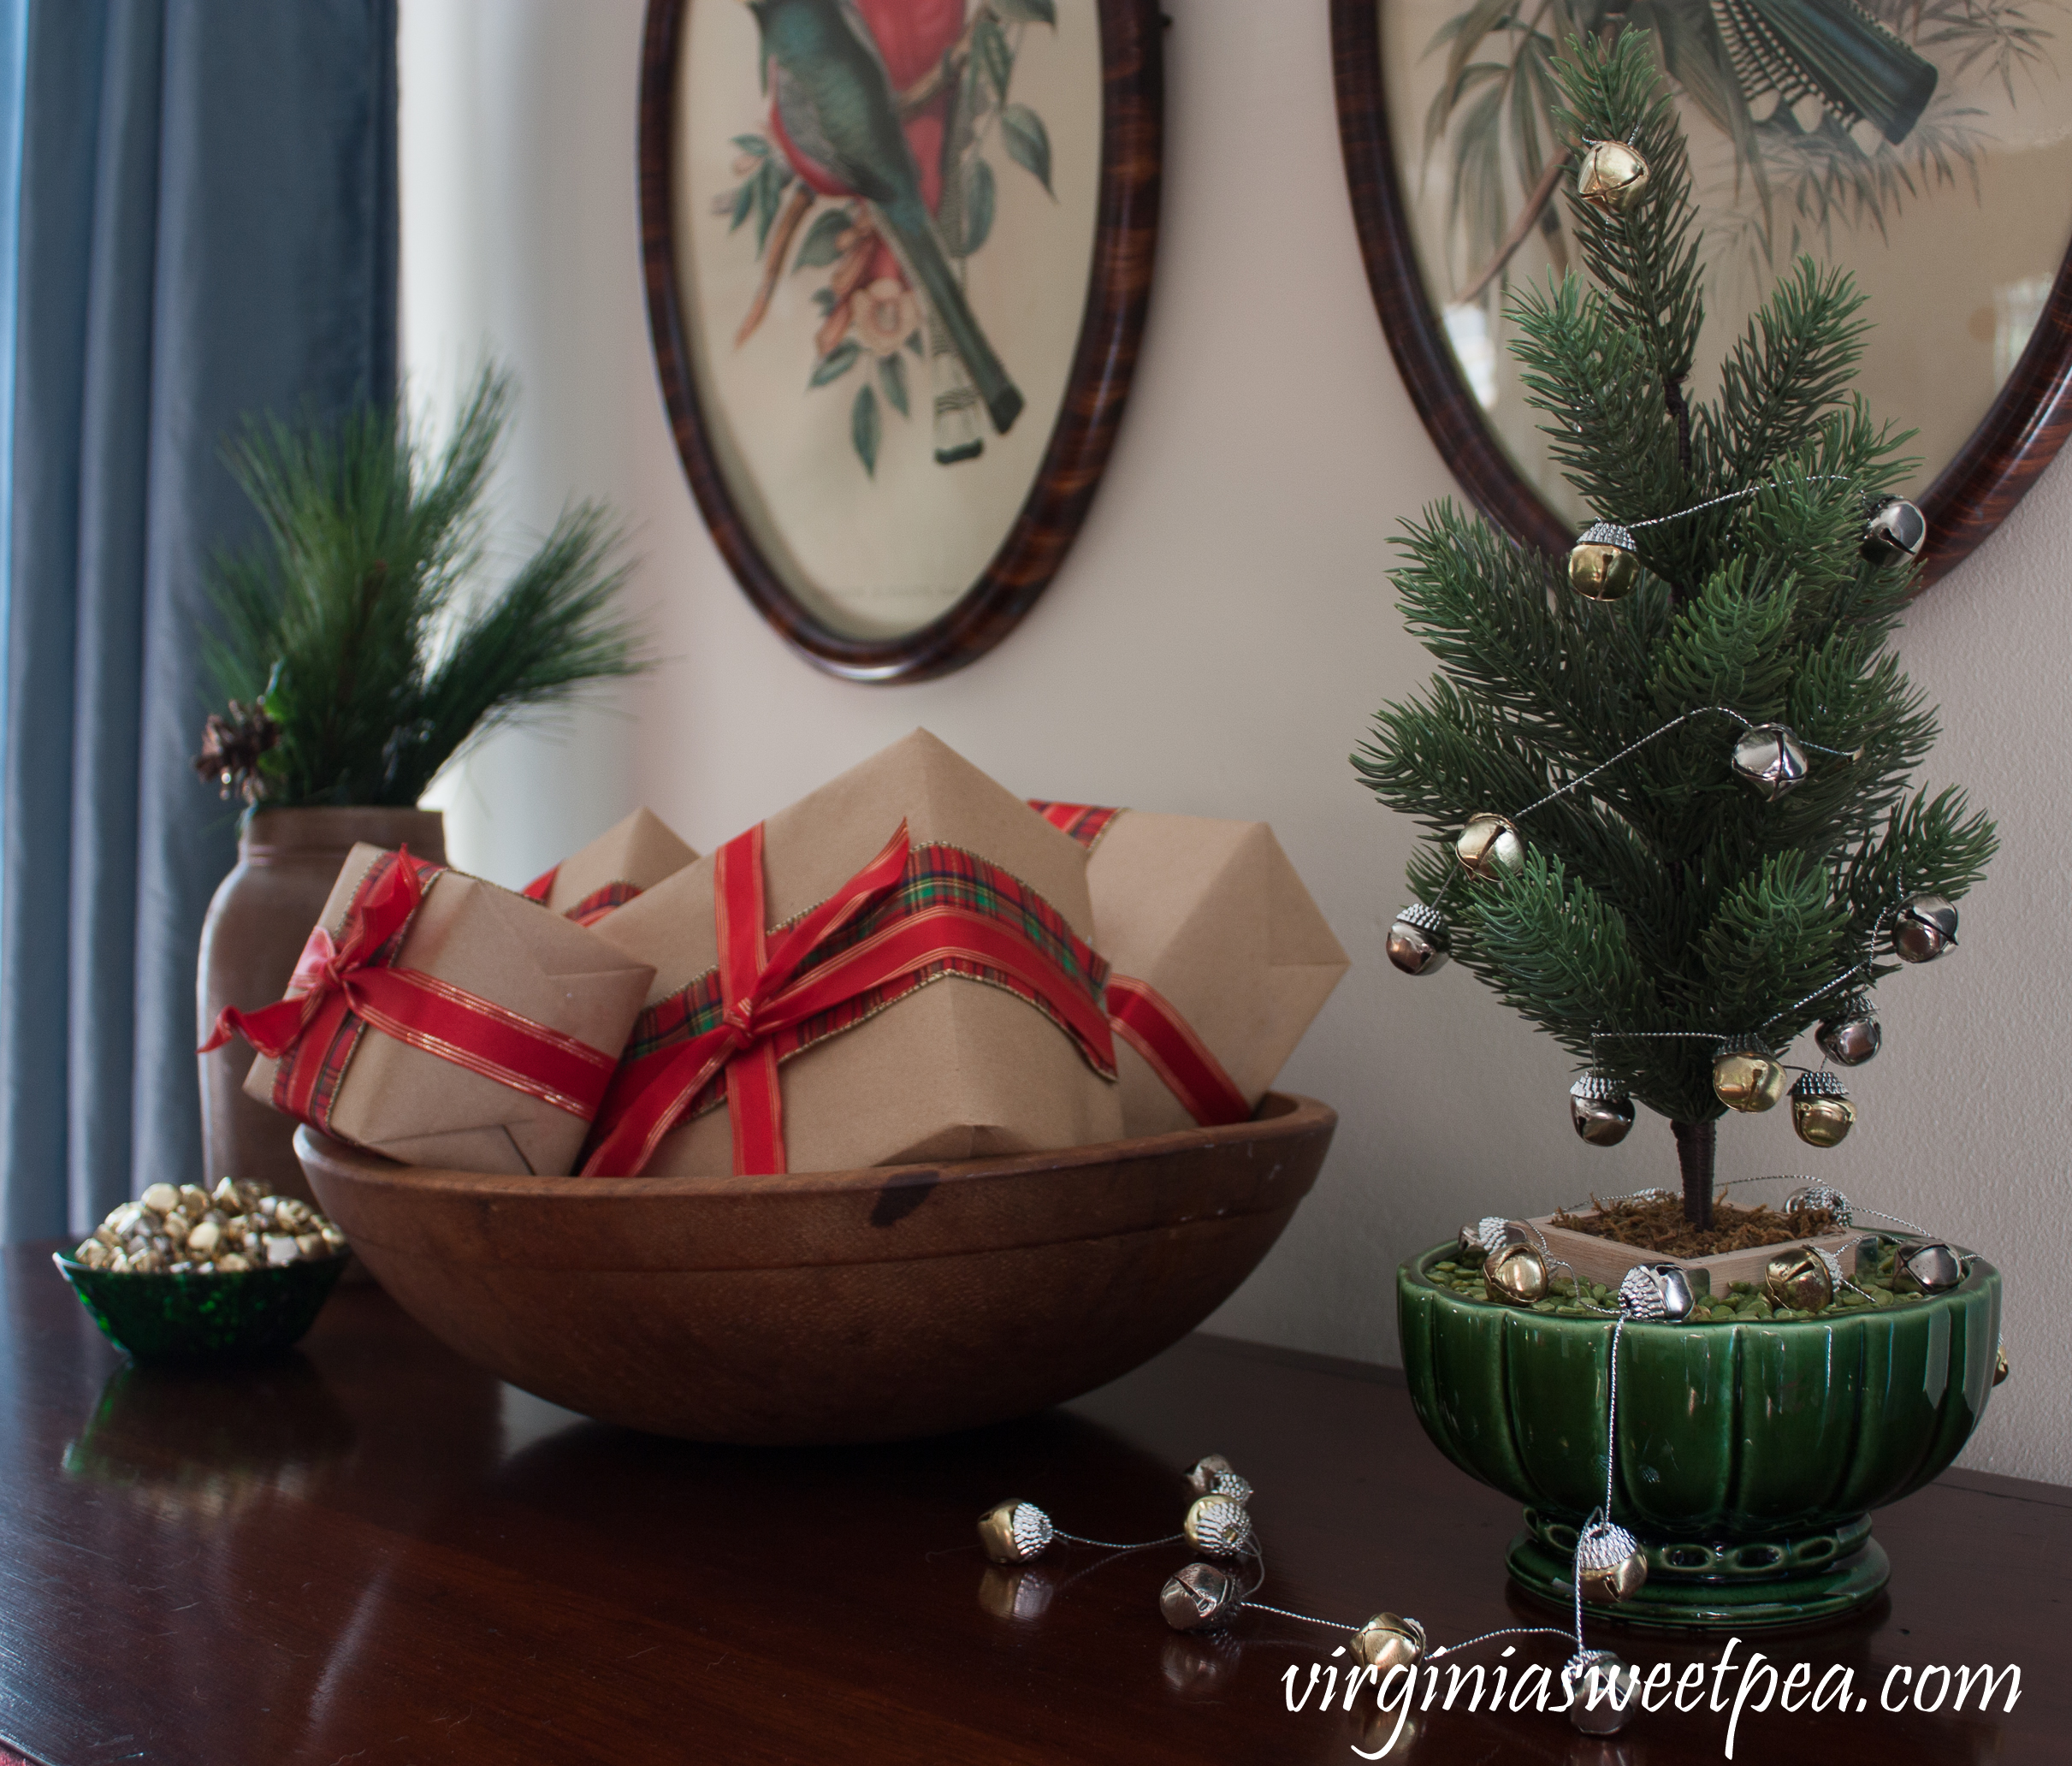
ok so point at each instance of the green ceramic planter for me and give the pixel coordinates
(1749, 1455)
(199, 1318)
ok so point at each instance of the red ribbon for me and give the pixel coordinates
(542, 886)
(592, 908)
(336, 982)
(770, 998)
(1150, 1024)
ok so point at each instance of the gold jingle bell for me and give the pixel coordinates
(1927, 1268)
(1747, 1079)
(1388, 1640)
(1515, 1274)
(1602, 566)
(1851, 1034)
(1013, 1531)
(1821, 1114)
(1600, 1109)
(1610, 1565)
(1417, 939)
(1489, 846)
(1924, 929)
(1612, 177)
(1217, 1524)
(1199, 1598)
(1798, 1278)
(1604, 1692)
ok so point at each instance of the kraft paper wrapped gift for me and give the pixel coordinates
(520, 993)
(1210, 916)
(952, 1067)
(633, 856)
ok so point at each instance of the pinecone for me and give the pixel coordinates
(230, 747)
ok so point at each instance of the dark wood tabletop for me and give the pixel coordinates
(370, 1551)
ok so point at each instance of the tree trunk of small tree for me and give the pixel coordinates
(1697, 1143)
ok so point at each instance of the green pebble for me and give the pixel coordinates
(1447, 1264)
(1543, 1305)
(1571, 1311)
(1741, 1287)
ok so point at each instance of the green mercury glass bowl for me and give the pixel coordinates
(1749, 1455)
(203, 1317)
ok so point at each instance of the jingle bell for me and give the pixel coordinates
(1515, 1274)
(1013, 1531)
(1217, 1524)
(1417, 939)
(1821, 1114)
(1612, 177)
(1747, 1079)
(1924, 929)
(1769, 757)
(1895, 532)
(1657, 1290)
(1388, 1640)
(1212, 1475)
(2000, 1363)
(1602, 566)
(1798, 1278)
(1199, 1598)
(1610, 1565)
(1851, 1034)
(1490, 846)
(1604, 1692)
(1600, 1109)
(1820, 1197)
(1927, 1268)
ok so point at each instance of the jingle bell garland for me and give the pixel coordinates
(1654, 895)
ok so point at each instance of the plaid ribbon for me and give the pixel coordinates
(1143, 1017)
(911, 916)
(341, 988)
(592, 908)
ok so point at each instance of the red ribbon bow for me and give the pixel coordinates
(335, 981)
(768, 997)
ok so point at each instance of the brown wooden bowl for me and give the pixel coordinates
(829, 1306)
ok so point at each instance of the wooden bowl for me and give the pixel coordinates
(829, 1306)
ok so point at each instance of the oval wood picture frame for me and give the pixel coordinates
(2016, 439)
(1125, 232)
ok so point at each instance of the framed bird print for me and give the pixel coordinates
(898, 254)
(1926, 146)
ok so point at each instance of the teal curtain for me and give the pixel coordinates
(206, 230)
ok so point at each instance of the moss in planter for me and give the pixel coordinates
(1743, 1303)
(1657, 1222)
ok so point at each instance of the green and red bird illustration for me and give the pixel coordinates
(839, 121)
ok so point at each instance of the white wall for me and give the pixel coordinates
(1231, 575)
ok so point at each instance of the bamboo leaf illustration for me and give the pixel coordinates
(821, 246)
(863, 427)
(769, 181)
(836, 363)
(744, 200)
(753, 144)
(979, 196)
(1028, 142)
(892, 377)
(1028, 12)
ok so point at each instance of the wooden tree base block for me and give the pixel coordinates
(1608, 1260)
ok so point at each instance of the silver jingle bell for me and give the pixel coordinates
(1602, 566)
(1769, 757)
(1610, 1565)
(1924, 929)
(1604, 1692)
(1599, 1108)
(1388, 1640)
(1488, 846)
(1821, 1114)
(1199, 1598)
(1820, 1196)
(1851, 1034)
(1417, 939)
(1013, 1531)
(1895, 532)
(1928, 1268)
(1212, 1475)
(1217, 1524)
(1657, 1290)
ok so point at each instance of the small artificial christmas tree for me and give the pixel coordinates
(1662, 892)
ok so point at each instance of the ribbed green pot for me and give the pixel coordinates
(1748, 1454)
